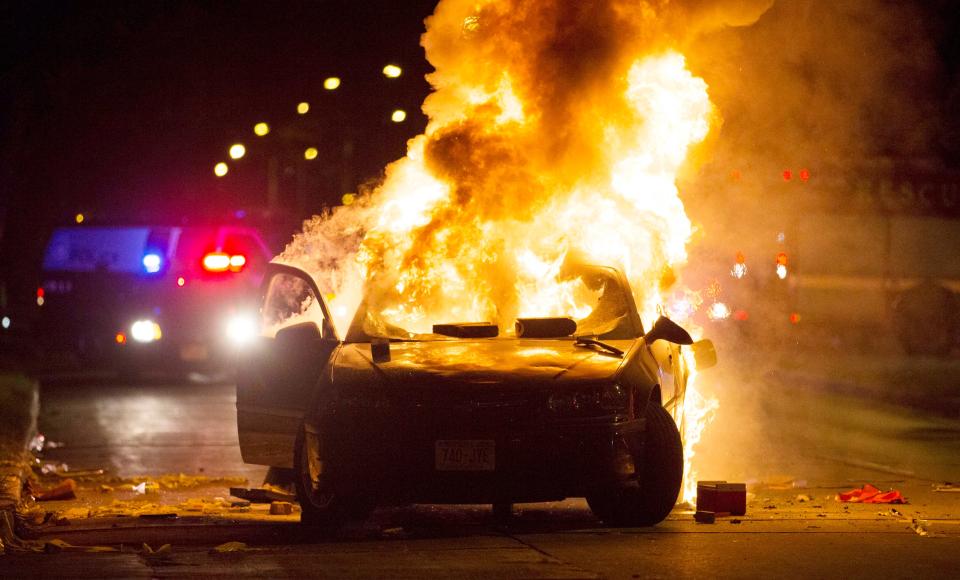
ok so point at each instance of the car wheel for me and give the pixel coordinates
(319, 505)
(658, 483)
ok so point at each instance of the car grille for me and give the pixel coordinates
(461, 406)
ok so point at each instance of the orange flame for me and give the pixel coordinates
(556, 132)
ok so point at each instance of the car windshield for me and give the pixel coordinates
(598, 301)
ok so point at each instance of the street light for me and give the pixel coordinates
(392, 71)
(220, 169)
(311, 153)
(261, 129)
(331, 83)
(237, 150)
(399, 116)
(79, 218)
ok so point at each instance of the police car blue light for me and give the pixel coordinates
(152, 263)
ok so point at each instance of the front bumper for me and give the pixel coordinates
(393, 458)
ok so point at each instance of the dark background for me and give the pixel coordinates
(120, 110)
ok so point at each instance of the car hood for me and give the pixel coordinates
(496, 362)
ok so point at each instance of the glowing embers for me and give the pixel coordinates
(223, 262)
(145, 331)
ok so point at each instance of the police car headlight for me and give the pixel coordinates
(241, 329)
(145, 331)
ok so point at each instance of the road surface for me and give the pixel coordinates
(795, 447)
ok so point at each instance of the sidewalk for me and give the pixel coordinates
(19, 405)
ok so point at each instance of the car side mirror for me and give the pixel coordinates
(704, 354)
(667, 330)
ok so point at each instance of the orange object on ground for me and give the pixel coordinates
(66, 490)
(870, 494)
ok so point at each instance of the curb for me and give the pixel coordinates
(14, 465)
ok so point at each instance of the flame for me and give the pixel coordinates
(556, 133)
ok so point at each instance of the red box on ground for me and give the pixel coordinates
(721, 497)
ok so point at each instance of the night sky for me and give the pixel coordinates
(121, 109)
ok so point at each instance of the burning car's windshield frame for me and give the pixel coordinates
(620, 321)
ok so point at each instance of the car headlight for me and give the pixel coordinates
(145, 331)
(596, 401)
(241, 329)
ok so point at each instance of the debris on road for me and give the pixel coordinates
(265, 494)
(281, 508)
(721, 497)
(803, 498)
(946, 487)
(229, 547)
(920, 526)
(145, 487)
(66, 490)
(870, 494)
(705, 517)
(163, 553)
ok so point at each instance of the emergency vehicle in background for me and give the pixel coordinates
(135, 298)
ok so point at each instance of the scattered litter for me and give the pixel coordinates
(66, 490)
(947, 487)
(705, 517)
(56, 546)
(769, 507)
(734, 521)
(162, 553)
(281, 508)
(803, 498)
(229, 547)
(145, 487)
(817, 507)
(920, 526)
(870, 494)
(184, 481)
(77, 513)
(240, 503)
(265, 494)
(104, 488)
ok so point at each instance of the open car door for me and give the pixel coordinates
(283, 373)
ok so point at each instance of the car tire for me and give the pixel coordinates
(650, 497)
(320, 506)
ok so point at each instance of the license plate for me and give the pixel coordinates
(465, 455)
(194, 352)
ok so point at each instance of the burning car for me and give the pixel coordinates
(553, 408)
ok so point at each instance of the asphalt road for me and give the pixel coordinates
(795, 447)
